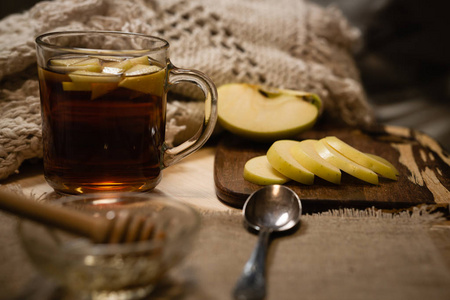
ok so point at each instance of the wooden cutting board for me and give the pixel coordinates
(423, 164)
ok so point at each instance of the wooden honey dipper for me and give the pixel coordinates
(119, 227)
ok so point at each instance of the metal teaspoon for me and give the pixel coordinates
(269, 209)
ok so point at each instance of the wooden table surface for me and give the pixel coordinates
(190, 181)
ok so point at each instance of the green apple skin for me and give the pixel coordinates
(377, 165)
(258, 170)
(386, 162)
(250, 112)
(304, 152)
(345, 164)
(281, 159)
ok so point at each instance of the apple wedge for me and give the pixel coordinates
(100, 89)
(67, 61)
(345, 164)
(280, 158)
(259, 171)
(257, 113)
(83, 76)
(145, 79)
(305, 153)
(378, 165)
(64, 65)
(76, 86)
(119, 67)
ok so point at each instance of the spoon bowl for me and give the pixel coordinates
(269, 209)
(275, 207)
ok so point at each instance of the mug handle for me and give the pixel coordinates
(173, 155)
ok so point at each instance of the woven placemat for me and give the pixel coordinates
(339, 254)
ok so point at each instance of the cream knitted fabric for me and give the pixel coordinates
(284, 43)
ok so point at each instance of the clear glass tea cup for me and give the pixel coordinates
(103, 98)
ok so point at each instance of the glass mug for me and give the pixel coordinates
(103, 105)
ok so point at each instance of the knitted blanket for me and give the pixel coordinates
(284, 43)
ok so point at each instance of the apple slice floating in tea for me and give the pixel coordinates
(98, 83)
(101, 75)
(261, 114)
(145, 79)
(119, 67)
(92, 77)
(71, 64)
(65, 62)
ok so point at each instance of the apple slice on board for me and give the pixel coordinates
(345, 164)
(259, 171)
(260, 114)
(386, 162)
(305, 153)
(280, 157)
(378, 165)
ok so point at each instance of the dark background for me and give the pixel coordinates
(404, 59)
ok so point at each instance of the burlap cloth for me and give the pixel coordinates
(284, 43)
(343, 254)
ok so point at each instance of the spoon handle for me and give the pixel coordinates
(252, 283)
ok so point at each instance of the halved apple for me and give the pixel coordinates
(281, 159)
(345, 164)
(378, 165)
(261, 114)
(305, 153)
(259, 171)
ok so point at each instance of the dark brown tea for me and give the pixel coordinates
(103, 123)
